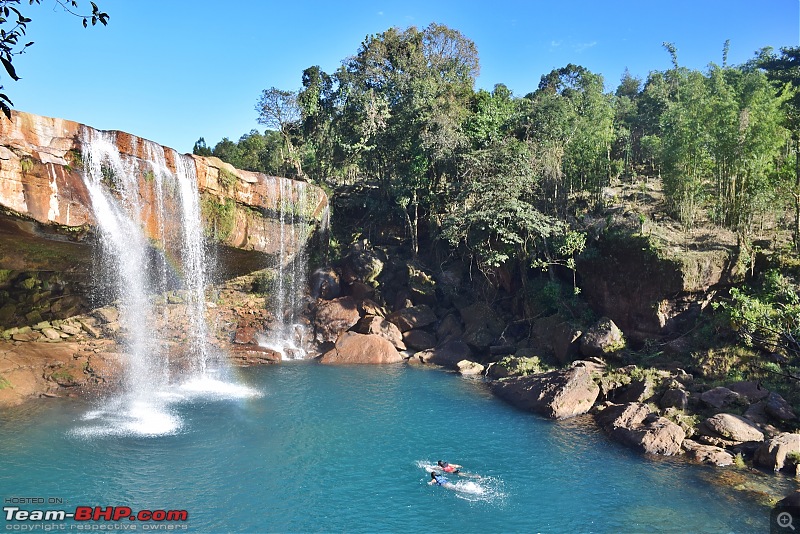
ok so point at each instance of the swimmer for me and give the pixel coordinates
(448, 468)
(439, 480)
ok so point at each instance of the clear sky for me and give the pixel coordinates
(175, 70)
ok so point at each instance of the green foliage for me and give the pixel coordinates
(228, 180)
(26, 164)
(766, 316)
(519, 366)
(4, 383)
(74, 159)
(219, 217)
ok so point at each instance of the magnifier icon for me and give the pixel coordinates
(785, 520)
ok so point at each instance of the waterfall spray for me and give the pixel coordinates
(117, 194)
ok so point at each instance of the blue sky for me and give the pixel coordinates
(175, 70)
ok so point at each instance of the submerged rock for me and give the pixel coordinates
(707, 454)
(557, 394)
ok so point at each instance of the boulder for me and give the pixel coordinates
(413, 317)
(70, 329)
(26, 336)
(333, 317)
(355, 348)
(707, 454)
(772, 453)
(634, 425)
(559, 337)
(369, 307)
(719, 397)
(51, 333)
(602, 339)
(361, 264)
(324, 283)
(675, 398)
(751, 389)
(447, 355)
(778, 408)
(419, 339)
(557, 394)
(730, 427)
(636, 391)
(449, 329)
(482, 326)
(380, 327)
(106, 314)
(245, 335)
(469, 368)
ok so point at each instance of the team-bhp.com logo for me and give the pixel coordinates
(15, 515)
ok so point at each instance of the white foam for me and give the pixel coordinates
(132, 418)
(207, 387)
(156, 416)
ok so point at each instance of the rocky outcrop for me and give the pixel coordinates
(654, 286)
(354, 348)
(602, 339)
(634, 425)
(332, 317)
(469, 368)
(557, 394)
(46, 216)
(727, 430)
(379, 326)
(413, 317)
(707, 454)
(41, 368)
(774, 452)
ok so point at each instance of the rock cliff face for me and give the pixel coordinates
(651, 289)
(47, 226)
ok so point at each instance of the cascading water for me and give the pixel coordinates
(288, 334)
(116, 193)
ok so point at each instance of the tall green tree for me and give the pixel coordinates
(784, 71)
(402, 101)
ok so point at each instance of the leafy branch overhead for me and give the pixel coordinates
(13, 27)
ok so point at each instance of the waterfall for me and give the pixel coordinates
(288, 335)
(119, 188)
(194, 261)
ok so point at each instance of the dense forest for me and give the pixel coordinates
(503, 179)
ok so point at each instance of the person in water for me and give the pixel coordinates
(448, 468)
(438, 480)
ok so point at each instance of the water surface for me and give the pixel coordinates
(332, 449)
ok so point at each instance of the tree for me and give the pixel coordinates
(402, 100)
(784, 71)
(200, 148)
(278, 110)
(14, 28)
